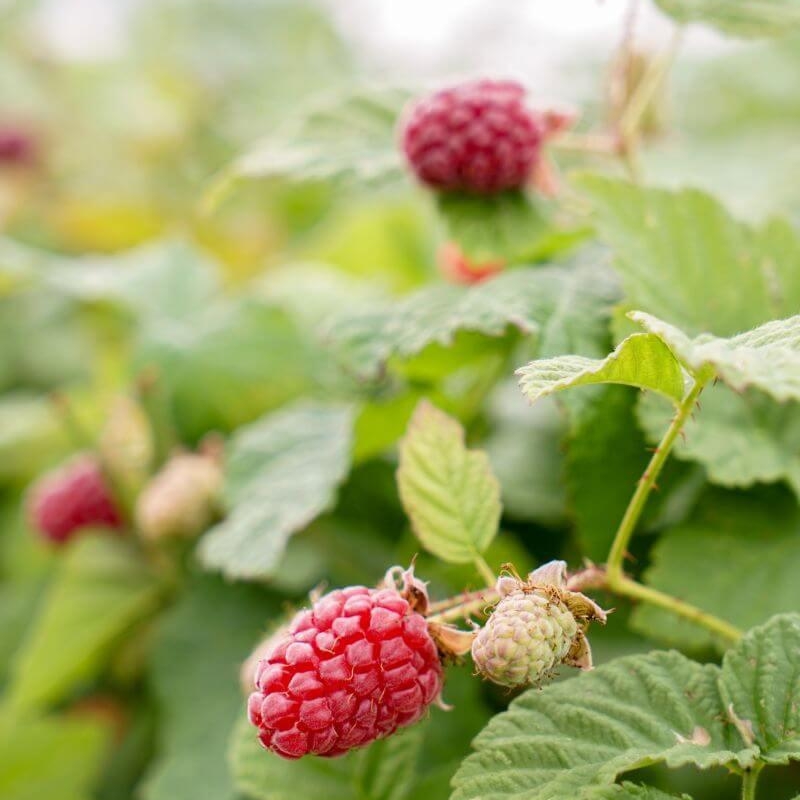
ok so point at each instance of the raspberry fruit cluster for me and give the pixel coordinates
(72, 497)
(477, 137)
(354, 668)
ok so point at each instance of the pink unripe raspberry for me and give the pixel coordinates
(477, 137)
(72, 497)
(354, 668)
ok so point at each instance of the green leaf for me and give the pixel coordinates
(101, 591)
(566, 307)
(281, 473)
(345, 137)
(198, 649)
(49, 757)
(633, 712)
(766, 358)
(382, 771)
(449, 492)
(509, 225)
(606, 455)
(641, 360)
(720, 560)
(526, 453)
(682, 257)
(760, 688)
(741, 439)
(628, 791)
(747, 18)
(218, 365)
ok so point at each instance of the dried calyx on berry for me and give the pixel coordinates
(74, 496)
(355, 667)
(536, 625)
(477, 137)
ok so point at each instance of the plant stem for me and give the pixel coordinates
(484, 569)
(466, 609)
(458, 600)
(749, 781)
(619, 547)
(627, 587)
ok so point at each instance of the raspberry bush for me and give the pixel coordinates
(384, 442)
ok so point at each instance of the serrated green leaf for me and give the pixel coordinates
(748, 18)
(101, 590)
(741, 439)
(682, 257)
(281, 472)
(507, 226)
(760, 686)
(751, 541)
(630, 713)
(628, 791)
(198, 649)
(449, 492)
(49, 757)
(641, 360)
(346, 137)
(766, 358)
(383, 771)
(567, 307)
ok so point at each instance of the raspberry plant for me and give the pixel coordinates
(430, 445)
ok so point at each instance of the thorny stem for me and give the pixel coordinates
(458, 600)
(749, 781)
(619, 547)
(463, 610)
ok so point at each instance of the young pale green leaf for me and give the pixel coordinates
(751, 541)
(760, 687)
(101, 591)
(748, 18)
(682, 257)
(281, 473)
(766, 358)
(346, 137)
(629, 713)
(510, 226)
(198, 649)
(449, 492)
(383, 771)
(641, 360)
(567, 307)
(741, 439)
(50, 757)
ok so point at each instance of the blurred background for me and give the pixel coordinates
(129, 244)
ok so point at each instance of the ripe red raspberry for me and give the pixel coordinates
(356, 667)
(72, 497)
(16, 147)
(477, 137)
(456, 267)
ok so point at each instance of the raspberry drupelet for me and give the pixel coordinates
(354, 668)
(72, 497)
(476, 137)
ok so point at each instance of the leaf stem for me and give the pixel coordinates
(627, 526)
(484, 569)
(749, 781)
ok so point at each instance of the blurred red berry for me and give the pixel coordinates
(455, 266)
(17, 147)
(72, 497)
(354, 668)
(476, 137)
